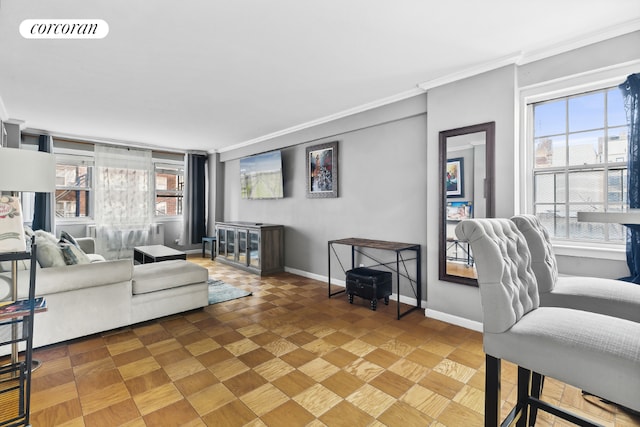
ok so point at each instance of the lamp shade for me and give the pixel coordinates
(27, 170)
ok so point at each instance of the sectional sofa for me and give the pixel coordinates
(87, 298)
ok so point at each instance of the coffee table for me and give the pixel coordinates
(156, 253)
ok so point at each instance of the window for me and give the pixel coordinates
(579, 156)
(74, 186)
(169, 182)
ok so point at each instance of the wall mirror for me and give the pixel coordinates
(466, 191)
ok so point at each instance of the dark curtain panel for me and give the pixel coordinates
(43, 205)
(631, 92)
(196, 187)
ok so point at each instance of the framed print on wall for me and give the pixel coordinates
(455, 177)
(322, 170)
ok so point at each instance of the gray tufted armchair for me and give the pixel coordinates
(587, 350)
(605, 296)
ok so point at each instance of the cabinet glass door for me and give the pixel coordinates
(231, 245)
(222, 242)
(254, 249)
(242, 246)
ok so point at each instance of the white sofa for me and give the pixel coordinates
(84, 299)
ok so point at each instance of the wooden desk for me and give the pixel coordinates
(358, 244)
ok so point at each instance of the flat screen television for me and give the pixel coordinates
(261, 176)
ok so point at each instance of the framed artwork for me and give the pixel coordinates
(454, 179)
(322, 170)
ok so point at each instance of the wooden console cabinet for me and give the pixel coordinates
(254, 247)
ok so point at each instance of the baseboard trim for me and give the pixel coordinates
(337, 282)
(454, 320)
(314, 276)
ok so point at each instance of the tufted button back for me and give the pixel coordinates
(543, 259)
(508, 287)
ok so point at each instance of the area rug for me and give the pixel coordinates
(220, 291)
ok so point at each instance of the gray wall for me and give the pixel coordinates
(483, 98)
(382, 191)
(389, 172)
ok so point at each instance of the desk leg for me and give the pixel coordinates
(353, 257)
(398, 281)
(329, 267)
(419, 275)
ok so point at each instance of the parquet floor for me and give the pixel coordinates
(286, 356)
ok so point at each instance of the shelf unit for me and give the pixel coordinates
(15, 377)
(254, 247)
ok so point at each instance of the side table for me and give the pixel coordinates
(212, 244)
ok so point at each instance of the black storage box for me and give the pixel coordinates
(369, 284)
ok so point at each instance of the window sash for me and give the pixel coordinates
(559, 212)
(164, 197)
(70, 206)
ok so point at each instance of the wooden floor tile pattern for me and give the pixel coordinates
(285, 356)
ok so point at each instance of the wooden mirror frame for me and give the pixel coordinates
(489, 129)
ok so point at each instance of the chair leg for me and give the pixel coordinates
(537, 382)
(524, 384)
(492, 392)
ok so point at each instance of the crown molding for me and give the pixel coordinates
(525, 57)
(107, 141)
(471, 71)
(20, 123)
(581, 41)
(345, 113)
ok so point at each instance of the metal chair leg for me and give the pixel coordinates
(537, 382)
(492, 392)
(522, 406)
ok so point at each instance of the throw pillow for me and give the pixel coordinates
(49, 253)
(42, 235)
(28, 232)
(73, 255)
(68, 238)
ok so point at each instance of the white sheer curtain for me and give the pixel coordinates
(123, 206)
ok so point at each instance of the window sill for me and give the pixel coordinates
(167, 218)
(76, 220)
(608, 252)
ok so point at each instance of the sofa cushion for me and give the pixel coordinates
(71, 277)
(95, 257)
(165, 275)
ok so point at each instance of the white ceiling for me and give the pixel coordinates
(212, 74)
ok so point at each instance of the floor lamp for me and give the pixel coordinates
(21, 170)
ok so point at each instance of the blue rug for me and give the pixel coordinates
(220, 292)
